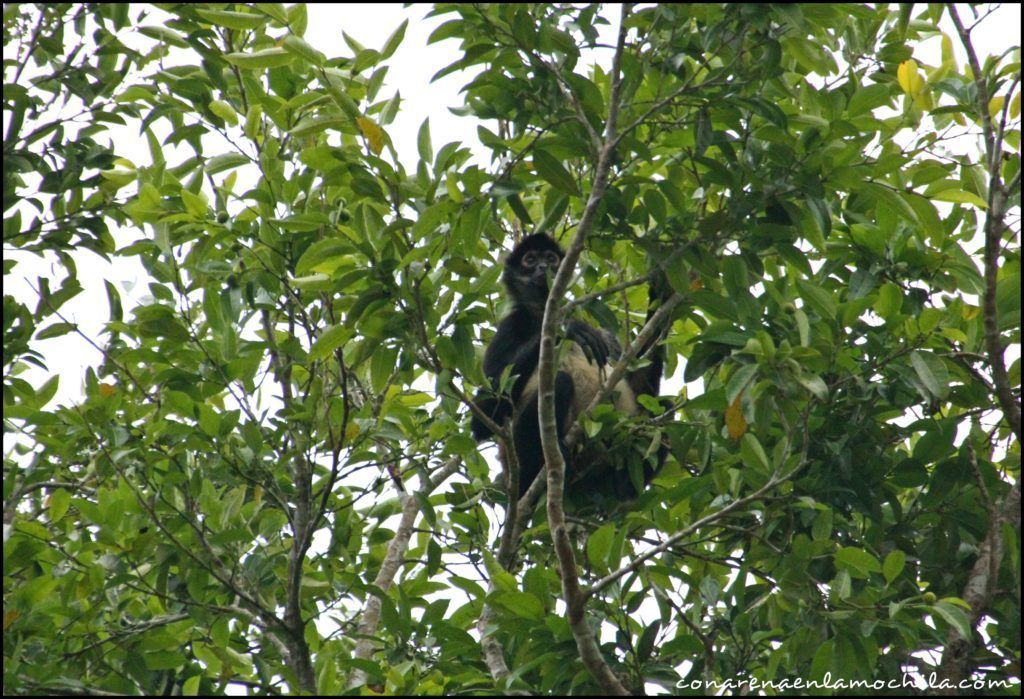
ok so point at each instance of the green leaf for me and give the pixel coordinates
(959, 196)
(164, 660)
(367, 58)
(261, 60)
(394, 41)
(195, 204)
(301, 48)
(740, 379)
(715, 303)
(298, 18)
(753, 454)
(734, 275)
(932, 372)
(521, 604)
(645, 646)
(60, 499)
(274, 10)
(822, 527)
(382, 364)
(191, 686)
(228, 161)
(599, 545)
(208, 420)
(423, 145)
(893, 565)
(553, 172)
(55, 330)
(890, 300)
(319, 124)
(225, 111)
(336, 89)
(803, 326)
(164, 34)
(866, 99)
(931, 224)
(890, 198)
(820, 212)
(842, 585)
(520, 211)
(818, 299)
(955, 617)
(329, 340)
(936, 443)
(232, 20)
(816, 385)
(859, 562)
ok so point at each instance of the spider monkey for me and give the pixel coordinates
(516, 344)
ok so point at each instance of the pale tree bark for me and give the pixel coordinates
(586, 642)
(984, 577)
(370, 619)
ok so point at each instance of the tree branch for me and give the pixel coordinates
(397, 547)
(994, 227)
(646, 334)
(586, 643)
(980, 587)
(680, 535)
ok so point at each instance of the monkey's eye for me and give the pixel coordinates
(553, 259)
(529, 259)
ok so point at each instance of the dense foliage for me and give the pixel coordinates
(268, 484)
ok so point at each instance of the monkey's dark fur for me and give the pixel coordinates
(516, 344)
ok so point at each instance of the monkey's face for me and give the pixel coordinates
(529, 267)
(529, 279)
(541, 265)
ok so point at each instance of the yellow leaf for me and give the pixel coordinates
(734, 419)
(907, 76)
(351, 432)
(9, 617)
(1015, 106)
(106, 390)
(373, 133)
(995, 105)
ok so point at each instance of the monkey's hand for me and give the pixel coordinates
(595, 343)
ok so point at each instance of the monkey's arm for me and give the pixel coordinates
(516, 344)
(598, 345)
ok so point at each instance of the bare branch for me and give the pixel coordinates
(586, 643)
(397, 547)
(682, 534)
(995, 225)
(980, 587)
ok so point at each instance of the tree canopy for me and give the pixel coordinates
(268, 484)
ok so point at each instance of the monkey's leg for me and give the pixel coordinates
(526, 436)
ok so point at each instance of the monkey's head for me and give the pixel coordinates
(529, 268)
